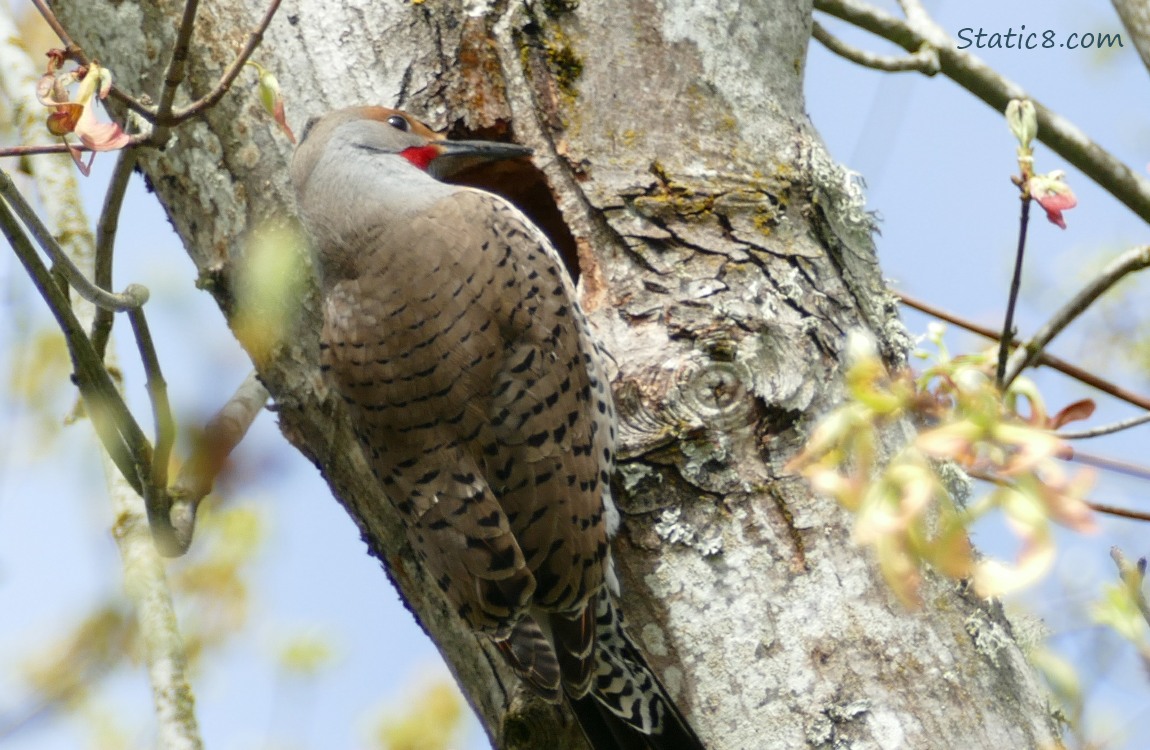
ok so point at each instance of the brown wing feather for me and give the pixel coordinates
(470, 377)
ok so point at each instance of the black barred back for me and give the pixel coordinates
(479, 396)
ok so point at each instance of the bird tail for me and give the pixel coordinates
(627, 707)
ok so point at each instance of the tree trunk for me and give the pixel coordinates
(723, 257)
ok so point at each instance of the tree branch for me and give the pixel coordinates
(254, 38)
(126, 446)
(1107, 429)
(1113, 510)
(1135, 15)
(118, 431)
(175, 72)
(105, 243)
(1048, 360)
(1109, 510)
(1007, 337)
(222, 433)
(1109, 464)
(156, 499)
(147, 586)
(981, 80)
(57, 148)
(924, 60)
(162, 117)
(133, 295)
(1127, 263)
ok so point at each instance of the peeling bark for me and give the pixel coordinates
(724, 256)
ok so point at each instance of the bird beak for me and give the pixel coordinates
(457, 156)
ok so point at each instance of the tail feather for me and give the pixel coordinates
(531, 656)
(637, 705)
(615, 696)
(574, 639)
(604, 730)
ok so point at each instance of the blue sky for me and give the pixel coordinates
(937, 164)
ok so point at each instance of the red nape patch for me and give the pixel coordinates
(420, 156)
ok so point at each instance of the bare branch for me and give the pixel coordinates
(1007, 338)
(220, 436)
(1048, 360)
(126, 447)
(165, 425)
(1113, 510)
(981, 80)
(133, 295)
(118, 431)
(925, 60)
(175, 73)
(1125, 264)
(1137, 471)
(254, 38)
(1108, 429)
(105, 242)
(57, 148)
(1109, 510)
(71, 48)
(1135, 15)
(163, 648)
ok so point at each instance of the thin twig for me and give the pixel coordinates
(1125, 264)
(163, 648)
(1109, 510)
(175, 73)
(114, 424)
(130, 453)
(984, 82)
(133, 295)
(1136, 19)
(1108, 429)
(105, 242)
(47, 148)
(220, 436)
(71, 48)
(912, 8)
(925, 60)
(1113, 510)
(1109, 464)
(158, 393)
(253, 41)
(157, 502)
(1005, 341)
(62, 148)
(1048, 360)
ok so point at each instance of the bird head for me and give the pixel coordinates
(390, 131)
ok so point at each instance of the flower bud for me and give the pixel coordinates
(1022, 119)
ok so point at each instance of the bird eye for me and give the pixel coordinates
(398, 123)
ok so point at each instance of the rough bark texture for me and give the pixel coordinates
(723, 258)
(1136, 20)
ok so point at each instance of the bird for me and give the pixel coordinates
(479, 396)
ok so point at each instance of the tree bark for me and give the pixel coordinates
(723, 257)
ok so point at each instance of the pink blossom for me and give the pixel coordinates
(100, 136)
(1054, 195)
(78, 116)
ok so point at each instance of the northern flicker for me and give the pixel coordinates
(479, 396)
